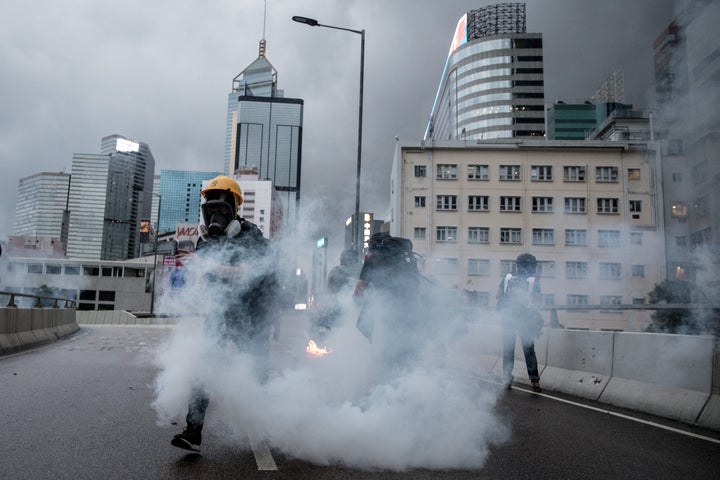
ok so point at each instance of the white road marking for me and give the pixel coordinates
(263, 457)
(621, 415)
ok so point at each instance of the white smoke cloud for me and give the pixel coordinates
(351, 407)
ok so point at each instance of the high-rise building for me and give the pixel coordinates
(492, 83)
(264, 131)
(180, 193)
(41, 205)
(577, 120)
(110, 194)
(687, 87)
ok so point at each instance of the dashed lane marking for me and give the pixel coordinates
(263, 457)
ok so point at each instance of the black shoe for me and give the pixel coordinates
(507, 383)
(189, 439)
(536, 386)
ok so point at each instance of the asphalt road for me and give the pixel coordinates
(80, 408)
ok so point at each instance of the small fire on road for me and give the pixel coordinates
(314, 351)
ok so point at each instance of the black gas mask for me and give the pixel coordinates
(218, 211)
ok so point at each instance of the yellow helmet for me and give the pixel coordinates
(224, 183)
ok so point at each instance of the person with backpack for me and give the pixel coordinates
(238, 269)
(388, 291)
(518, 295)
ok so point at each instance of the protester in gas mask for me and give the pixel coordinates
(238, 266)
(518, 296)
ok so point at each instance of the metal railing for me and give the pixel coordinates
(37, 303)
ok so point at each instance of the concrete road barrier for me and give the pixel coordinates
(662, 374)
(578, 362)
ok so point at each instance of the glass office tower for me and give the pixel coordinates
(492, 83)
(264, 131)
(180, 192)
(110, 193)
(41, 205)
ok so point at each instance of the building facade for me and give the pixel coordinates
(492, 83)
(586, 210)
(264, 131)
(110, 195)
(687, 86)
(41, 208)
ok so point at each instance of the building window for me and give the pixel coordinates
(700, 206)
(478, 266)
(608, 238)
(699, 172)
(638, 301)
(543, 236)
(35, 268)
(419, 233)
(53, 269)
(574, 205)
(574, 174)
(577, 300)
(576, 269)
(506, 266)
(609, 270)
(575, 237)
(510, 204)
(511, 236)
(446, 265)
(509, 172)
(541, 173)
(478, 172)
(446, 202)
(447, 172)
(636, 238)
(638, 270)
(420, 202)
(678, 210)
(607, 205)
(478, 235)
(677, 177)
(548, 299)
(606, 174)
(635, 206)
(681, 241)
(610, 300)
(633, 174)
(478, 203)
(702, 237)
(420, 170)
(446, 234)
(542, 204)
(546, 268)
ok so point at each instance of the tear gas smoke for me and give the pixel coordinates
(353, 407)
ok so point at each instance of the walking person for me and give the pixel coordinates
(238, 267)
(518, 295)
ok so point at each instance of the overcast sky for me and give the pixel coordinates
(159, 72)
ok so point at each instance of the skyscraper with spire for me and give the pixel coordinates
(264, 132)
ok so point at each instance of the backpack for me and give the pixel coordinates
(518, 290)
(394, 253)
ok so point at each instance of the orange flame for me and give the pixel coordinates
(313, 350)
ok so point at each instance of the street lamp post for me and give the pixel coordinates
(157, 233)
(357, 221)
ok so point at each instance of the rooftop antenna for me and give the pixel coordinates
(262, 41)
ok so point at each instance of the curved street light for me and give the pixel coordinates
(356, 223)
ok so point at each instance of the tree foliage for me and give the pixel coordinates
(682, 320)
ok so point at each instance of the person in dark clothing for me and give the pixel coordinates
(517, 296)
(388, 289)
(240, 268)
(327, 309)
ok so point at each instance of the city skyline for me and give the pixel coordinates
(177, 103)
